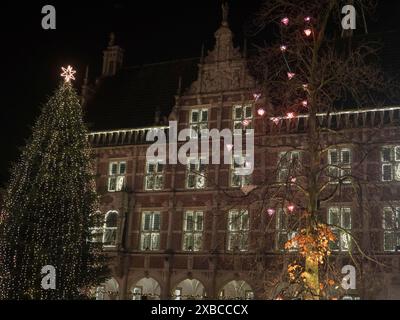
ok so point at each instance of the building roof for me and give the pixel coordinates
(131, 98)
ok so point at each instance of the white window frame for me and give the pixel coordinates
(100, 292)
(245, 113)
(117, 177)
(283, 231)
(340, 168)
(155, 175)
(178, 294)
(243, 180)
(152, 235)
(393, 163)
(137, 293)
(198, 173)
(286, 164)
(343, 239)
(110, 230)
(96, 233)
(238, 232)
(193, 226)
(201, 123)
(394, 230)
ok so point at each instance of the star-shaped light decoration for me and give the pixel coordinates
(68, 74)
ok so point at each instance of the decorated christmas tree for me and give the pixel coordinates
(50, 208)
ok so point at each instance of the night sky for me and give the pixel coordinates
(149, 31)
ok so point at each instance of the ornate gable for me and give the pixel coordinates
(224, 68)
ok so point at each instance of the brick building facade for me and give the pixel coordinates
(167, 229)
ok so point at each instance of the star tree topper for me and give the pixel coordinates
(68, 74)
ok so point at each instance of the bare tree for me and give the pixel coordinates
(310, 74)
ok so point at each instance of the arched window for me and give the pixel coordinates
(189, 289)
(107, 290)
(146, 289)
(236, 290)
(110, 228)
(97, 232)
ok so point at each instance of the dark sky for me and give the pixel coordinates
(150, 31)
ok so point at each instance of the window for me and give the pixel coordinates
(339, 165)
(150, 237)
(249, 295)
(116, 176)
(178, 294)
(242, 117)
(284, 229)
(96, 233)
(193, 231)
(100, 293)
(137, 293)
(289, 162)
(110, 229)
(238, 166)
(390, 157)
(195, 177)
(238, 230)
(198, 121)
(340, 217)
(391, 231)
(154, 175)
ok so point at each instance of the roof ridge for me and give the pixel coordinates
(159, 63)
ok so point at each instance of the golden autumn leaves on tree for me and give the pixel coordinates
(312, 70)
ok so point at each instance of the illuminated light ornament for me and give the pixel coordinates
(307, 19)
(293, 180)
(283, 48)
(290, 207)
(308, 32)
(304, 103)
(271, 212)
(261, 112)
(246, 122)
(290, 115)
(285, 21)
(229, 147)
(68, 74)
(275, 120)
(305, 86)
(290, 75)
(257, 96)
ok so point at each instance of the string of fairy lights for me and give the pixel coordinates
(49, 203)
(307, 32)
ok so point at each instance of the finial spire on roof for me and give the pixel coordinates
(225, 13)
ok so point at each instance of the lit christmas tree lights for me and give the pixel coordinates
(50, 207)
